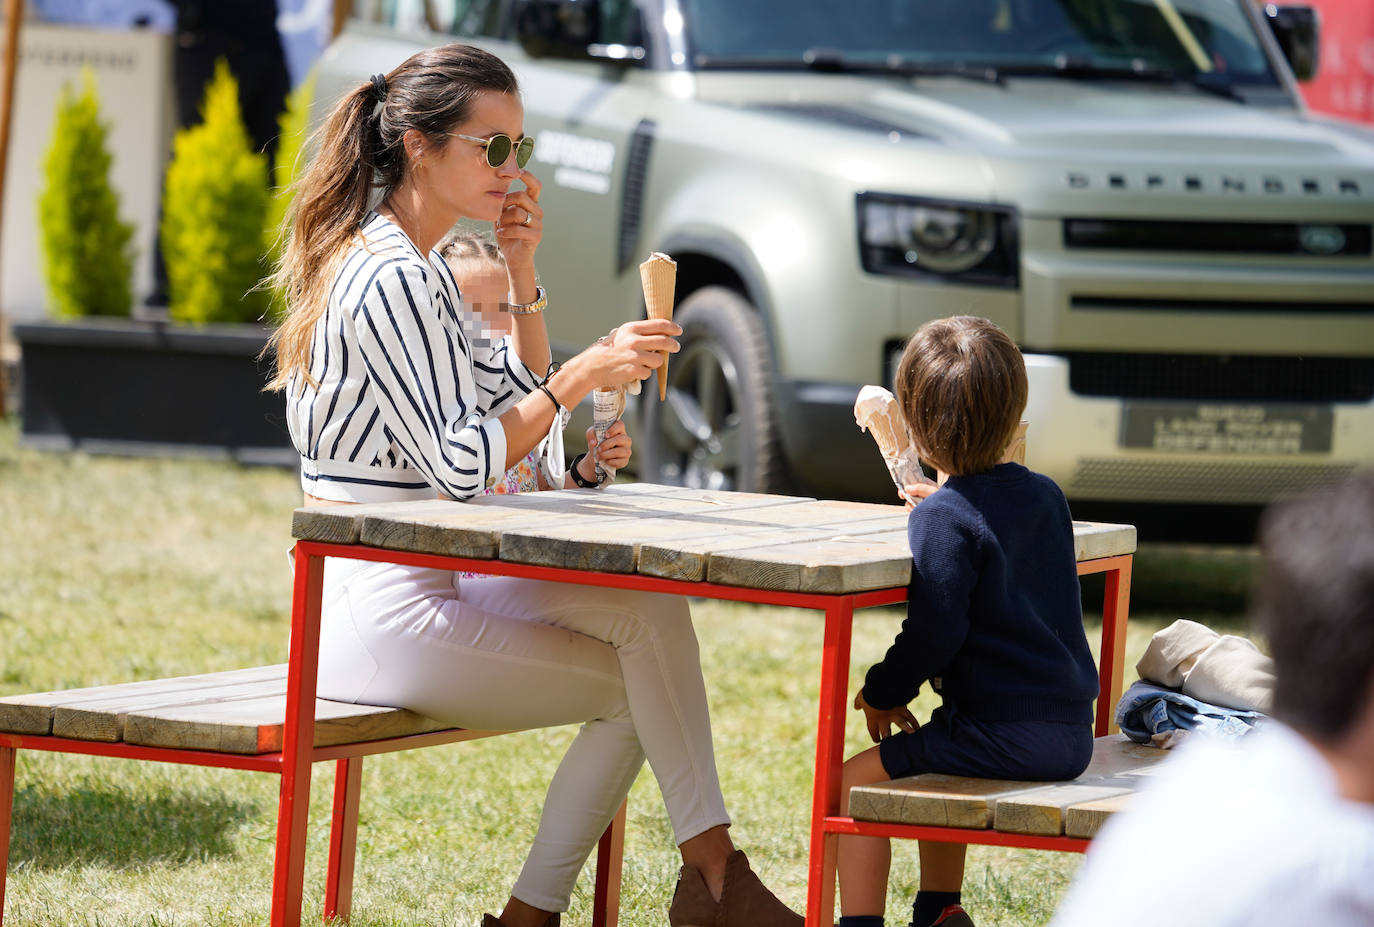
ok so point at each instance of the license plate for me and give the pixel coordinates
(1225, 428)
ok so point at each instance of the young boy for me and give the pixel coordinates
(993, 620)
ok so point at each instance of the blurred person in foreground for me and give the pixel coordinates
(1277, 828)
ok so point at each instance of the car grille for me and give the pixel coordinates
(1220, 482)
(1326, 239)
(1239, 378)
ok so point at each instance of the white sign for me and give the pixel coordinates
(132, 71)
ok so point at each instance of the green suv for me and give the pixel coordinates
(1132, 188)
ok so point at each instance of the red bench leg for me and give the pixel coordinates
(7, 755)
(298, 740)
(343, 839)
(820, 889)
(610, 854)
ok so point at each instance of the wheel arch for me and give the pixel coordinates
(714, 257)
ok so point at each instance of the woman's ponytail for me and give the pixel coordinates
(359, 151)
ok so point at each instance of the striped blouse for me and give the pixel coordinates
(408, 395)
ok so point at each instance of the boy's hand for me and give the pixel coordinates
(880, 721)
(916, 491)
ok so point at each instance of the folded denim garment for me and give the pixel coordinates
(1148, 712)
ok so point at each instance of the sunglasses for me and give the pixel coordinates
(499, 148)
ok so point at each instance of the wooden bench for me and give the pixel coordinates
(1071, 811)
(1035, 815)
(236, 720)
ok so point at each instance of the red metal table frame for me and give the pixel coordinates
(297, 756)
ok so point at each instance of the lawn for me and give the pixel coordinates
(115, 570)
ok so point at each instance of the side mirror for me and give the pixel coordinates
(1298, 31)
(567, 29)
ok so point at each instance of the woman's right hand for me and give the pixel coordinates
(631, 352)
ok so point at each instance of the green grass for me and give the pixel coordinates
(117, 570)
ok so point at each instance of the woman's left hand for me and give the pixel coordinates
(521, 225)
(614, 449)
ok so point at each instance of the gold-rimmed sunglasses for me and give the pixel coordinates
(499, 147)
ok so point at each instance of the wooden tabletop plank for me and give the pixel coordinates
(33, 714)
(457, 530)
(813, 513)
(341, 523)
(1093, 540)
(576, 545)
(687, 558)
(256, 725)
(836, 565)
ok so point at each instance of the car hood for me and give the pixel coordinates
(1035, 133)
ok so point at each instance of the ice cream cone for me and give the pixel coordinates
(658, 276)
(876, 411)
(1016, 450)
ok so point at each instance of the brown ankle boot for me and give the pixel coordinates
(744, 901)
(489, 921)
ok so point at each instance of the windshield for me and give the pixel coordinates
(1214, 39)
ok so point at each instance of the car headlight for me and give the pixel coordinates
(961, 242)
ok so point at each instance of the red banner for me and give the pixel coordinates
(1344, 85)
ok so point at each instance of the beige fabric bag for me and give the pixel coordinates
(1220, 669)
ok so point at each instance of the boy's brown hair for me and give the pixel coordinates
(961, 385)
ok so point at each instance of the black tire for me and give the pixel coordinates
(716, 429)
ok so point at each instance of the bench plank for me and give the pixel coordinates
(934, 800)
(256, 725)
(1042, 811)
(33, 714)
(103, 719)
(1117, 769)
(1084, 820)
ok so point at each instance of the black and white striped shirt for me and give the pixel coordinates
(408, 398)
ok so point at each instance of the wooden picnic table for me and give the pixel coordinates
(783, 550)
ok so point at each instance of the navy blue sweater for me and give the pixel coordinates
(993, 619)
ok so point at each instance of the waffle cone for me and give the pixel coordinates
(876, 411)
(658, 276)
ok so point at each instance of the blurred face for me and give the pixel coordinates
(486, 292)
(457, 175)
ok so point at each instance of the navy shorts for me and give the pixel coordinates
(955, 744)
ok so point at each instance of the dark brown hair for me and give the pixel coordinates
(359, 151)
(1315, 603)
(961, 385)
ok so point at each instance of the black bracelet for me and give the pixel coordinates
(557, 406)
(577, 477)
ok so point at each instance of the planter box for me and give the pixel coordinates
(149, 388)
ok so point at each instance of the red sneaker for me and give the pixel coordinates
(952, 916)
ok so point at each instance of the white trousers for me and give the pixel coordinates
(499, 653)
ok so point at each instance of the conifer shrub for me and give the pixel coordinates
(88, 253)
(293, 125)
(213, 210)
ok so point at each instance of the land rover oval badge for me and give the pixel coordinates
(1321, 239)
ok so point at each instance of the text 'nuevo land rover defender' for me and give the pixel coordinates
(1132, 188)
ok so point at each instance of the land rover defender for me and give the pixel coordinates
(1132, 188)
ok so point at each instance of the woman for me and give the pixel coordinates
(389, 399)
